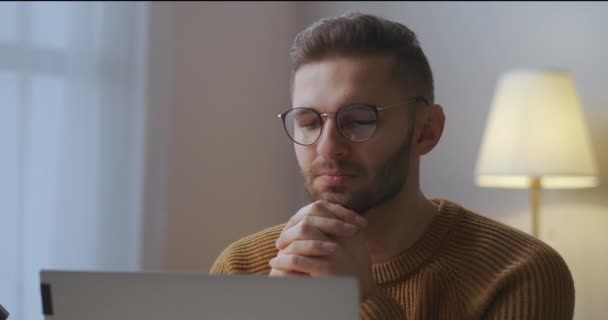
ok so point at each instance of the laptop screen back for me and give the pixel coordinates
(70, 295)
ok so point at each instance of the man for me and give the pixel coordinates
(363, 114)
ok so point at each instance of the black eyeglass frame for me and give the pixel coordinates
(376, 108)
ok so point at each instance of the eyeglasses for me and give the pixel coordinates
(356, 122)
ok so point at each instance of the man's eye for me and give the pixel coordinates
(365, 122)
(353, 124)
(309, 124)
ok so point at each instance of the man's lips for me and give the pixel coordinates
(334, 178)
(335, 174)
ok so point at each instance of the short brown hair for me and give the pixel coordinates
(356, 33)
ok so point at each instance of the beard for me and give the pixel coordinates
(386, 180)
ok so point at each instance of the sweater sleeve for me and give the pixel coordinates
(249, 255)
(383, 307)
(541, 288)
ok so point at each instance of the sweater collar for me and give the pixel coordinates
(424, 249)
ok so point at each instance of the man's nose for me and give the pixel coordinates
(331, 143)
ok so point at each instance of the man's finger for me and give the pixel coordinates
(311, 248)
(299, 232)
(315, 209)
(294, 262)
(285, 273)
(308, 229)
(346, 215)
(327, 209)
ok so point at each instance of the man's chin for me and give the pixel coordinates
(345, 199)
(331, 195)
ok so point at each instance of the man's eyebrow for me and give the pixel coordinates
(361, 102)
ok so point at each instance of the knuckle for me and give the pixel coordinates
(293, 260)
(317, 205)
(308, 220)
(295, 246)
(315, 246)
(288, 248)
(303, 229)
(283, 261)
(337, 225)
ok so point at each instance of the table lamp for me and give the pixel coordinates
(536, 137)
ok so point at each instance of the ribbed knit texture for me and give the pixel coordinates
(465, 266)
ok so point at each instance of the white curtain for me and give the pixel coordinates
(72, 97)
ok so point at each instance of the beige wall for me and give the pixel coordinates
(225, 179)
(220, 76)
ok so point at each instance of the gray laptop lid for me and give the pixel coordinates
(71, 295)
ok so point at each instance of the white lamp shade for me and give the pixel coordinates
(536, 129)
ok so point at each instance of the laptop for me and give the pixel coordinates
(79, 295)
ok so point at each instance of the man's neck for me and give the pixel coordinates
(398, 224)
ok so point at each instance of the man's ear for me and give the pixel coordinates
(429, 129)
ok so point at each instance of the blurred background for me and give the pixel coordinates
(143, 136)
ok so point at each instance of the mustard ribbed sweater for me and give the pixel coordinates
(465, 266)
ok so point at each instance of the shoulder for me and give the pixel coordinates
(490, 237)
(249, 254)
(504, 258)
(497, 242)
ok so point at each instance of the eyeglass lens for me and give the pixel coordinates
(355, 122)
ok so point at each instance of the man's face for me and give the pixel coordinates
(362, 175)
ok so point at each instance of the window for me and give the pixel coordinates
(71, 121)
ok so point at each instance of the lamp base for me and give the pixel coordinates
(535, 186)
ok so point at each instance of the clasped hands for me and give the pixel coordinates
(325, 239)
